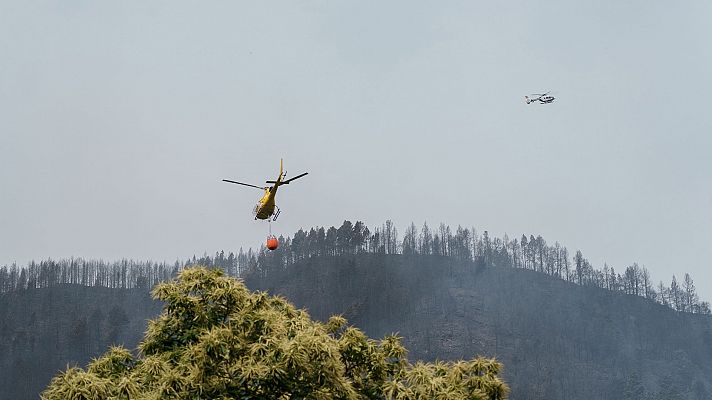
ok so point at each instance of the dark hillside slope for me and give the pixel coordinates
(44, 330)
(556, 340)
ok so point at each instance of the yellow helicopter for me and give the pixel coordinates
(265, 207)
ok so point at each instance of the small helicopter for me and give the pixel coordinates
(541, 98)
(265, 207)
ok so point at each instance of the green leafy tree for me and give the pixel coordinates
(217, 340)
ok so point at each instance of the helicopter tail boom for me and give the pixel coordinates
(281, 162)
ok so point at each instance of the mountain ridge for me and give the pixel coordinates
(556, 339)
(531, 321)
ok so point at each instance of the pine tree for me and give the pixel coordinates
(676, 295)
(689, 294)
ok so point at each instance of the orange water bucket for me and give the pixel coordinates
(272, 243)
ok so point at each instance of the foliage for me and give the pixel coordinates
(217, 340)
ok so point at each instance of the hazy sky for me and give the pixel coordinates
(118, 119)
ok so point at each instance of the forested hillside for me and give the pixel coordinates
(44, 330)
(556, 340)
(533, 253)
(562, 328)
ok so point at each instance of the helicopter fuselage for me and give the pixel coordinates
(264, 208)
(540, 98)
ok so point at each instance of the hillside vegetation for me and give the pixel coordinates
(44, 330)
(532, 253)
(217, 340)
(562, 328)
(557, 340)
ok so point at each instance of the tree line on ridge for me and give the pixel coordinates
(466, 244)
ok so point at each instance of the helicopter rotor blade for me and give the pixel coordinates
(296, 177)
(288, 180)
(244, 184)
